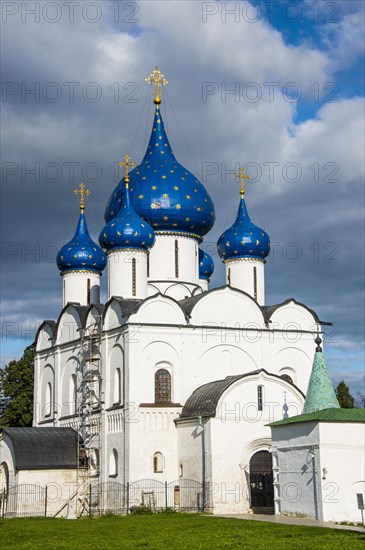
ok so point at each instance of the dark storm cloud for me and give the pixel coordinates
(319, 221)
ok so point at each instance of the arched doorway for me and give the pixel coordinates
(261, 483)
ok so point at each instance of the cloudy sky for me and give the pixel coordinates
(275, 86)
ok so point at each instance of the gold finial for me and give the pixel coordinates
(242, 177)
(158, 79)
(127, 164)
(82, 191)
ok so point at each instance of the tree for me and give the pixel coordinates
(16, 391)
(344, 396)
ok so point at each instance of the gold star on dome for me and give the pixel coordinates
(188, 197)
(227, 243)
(136, 234)
(165, 196)
(172, 171)
(257, 242)
(178, 206)
(176, 188)
(165, 218)
(119, 233)
(183, 178)
(163, 177)
(140, 196)
(187, 219)
(154, 187)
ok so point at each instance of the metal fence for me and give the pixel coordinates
(181, 495)
(185, 495)
(24, 500)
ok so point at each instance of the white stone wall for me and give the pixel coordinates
(121, 266)
(75, 287)
(320, 468)
(238, 431)
(342, 454)
(225, 334)
(240, 274)
(162, 260)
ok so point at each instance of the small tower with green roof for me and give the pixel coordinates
(320, 394)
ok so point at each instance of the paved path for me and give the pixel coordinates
(291, 521)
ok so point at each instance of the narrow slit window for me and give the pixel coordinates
(260, 397)
(148, 264)
(88, 292)
(255, 283)
(176, 258)
(134, 276)
(229, 276)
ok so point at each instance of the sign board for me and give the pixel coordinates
(360, 501)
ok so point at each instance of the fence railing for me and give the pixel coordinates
(24, 500)
(185, 495)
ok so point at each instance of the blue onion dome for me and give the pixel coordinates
(81, 253)
(164, 193)
(244, 239)
(127, 229)
(206, 265)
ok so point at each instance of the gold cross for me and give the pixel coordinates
(242, 177)
(127, 164)
(82, 192)
(158, 79)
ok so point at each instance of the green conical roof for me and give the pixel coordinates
(320, 394)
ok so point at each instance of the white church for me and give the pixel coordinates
(171, 380)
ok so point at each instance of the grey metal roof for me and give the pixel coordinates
(43, 448)
(204, 400)
(128, 307)
(269, 310)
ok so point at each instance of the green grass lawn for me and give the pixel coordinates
(169, 531)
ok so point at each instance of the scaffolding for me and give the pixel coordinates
(89, 404)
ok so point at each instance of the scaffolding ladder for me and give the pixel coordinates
(89, 407)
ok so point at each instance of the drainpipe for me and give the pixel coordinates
(313, 456)
(200, 420)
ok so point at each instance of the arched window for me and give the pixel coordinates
(158, 463)
(260, 397)
(117, 387)
(113, 463)
(94, 462)
(73, 394)
(48, 401)
(162, 386)
(287, 378)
